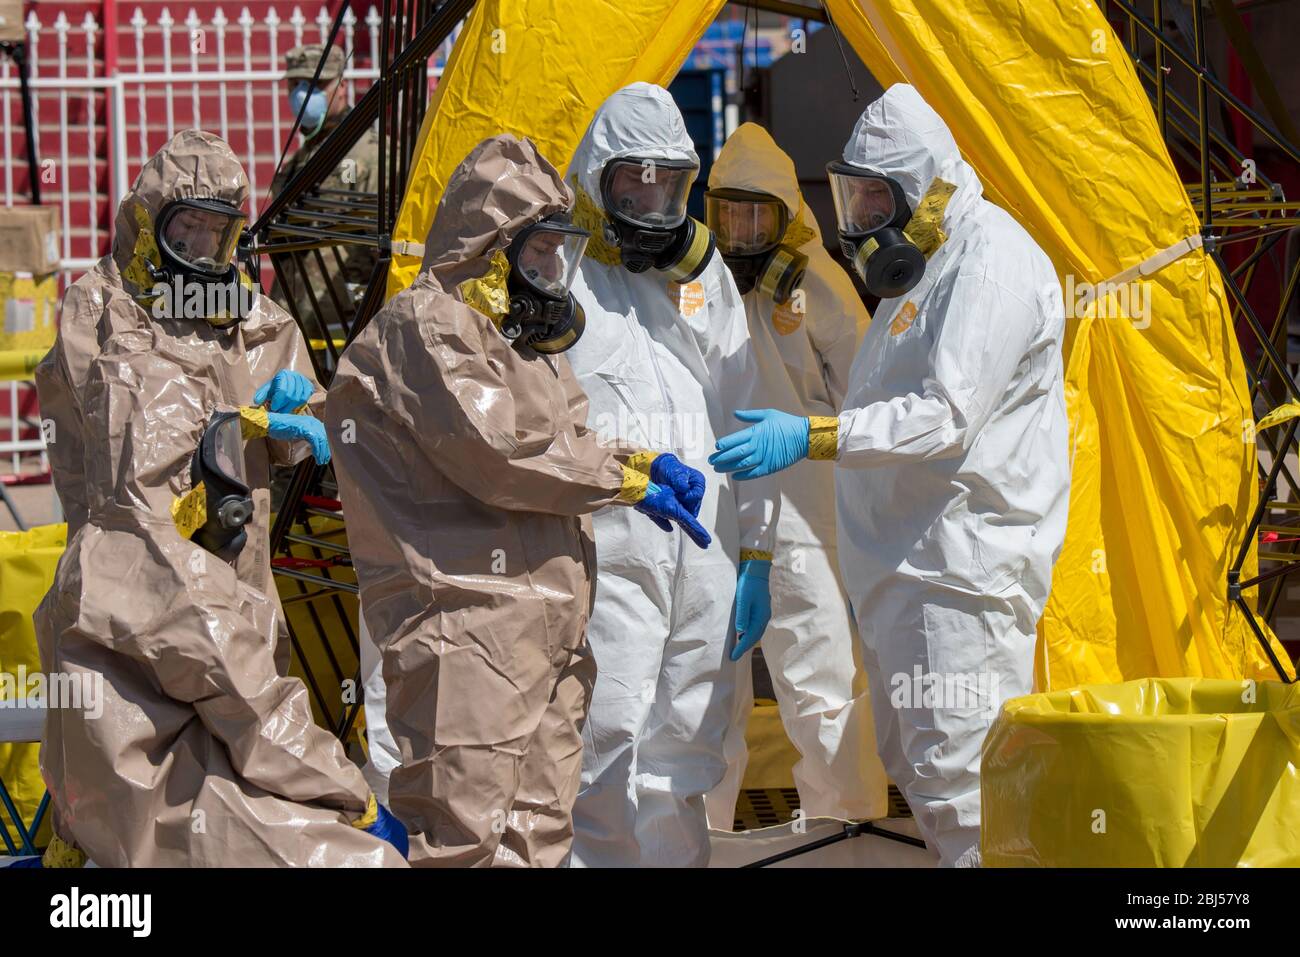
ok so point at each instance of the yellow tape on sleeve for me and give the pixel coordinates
(634, 487)
(823, 437)
(641, 461)
(371, 815)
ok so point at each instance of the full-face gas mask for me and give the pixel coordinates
(219, 465)
(871, 211)
(748, 226)
(197, 244)
(544, 259)
(645, 200)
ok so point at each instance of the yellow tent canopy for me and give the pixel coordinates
(1046, 106)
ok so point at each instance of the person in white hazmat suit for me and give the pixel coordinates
(952, 477)
(664, 360)
(805, 322)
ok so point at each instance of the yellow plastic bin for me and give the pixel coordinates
(1158, 772)
(27, 563)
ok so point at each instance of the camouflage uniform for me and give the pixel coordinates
(358, 172)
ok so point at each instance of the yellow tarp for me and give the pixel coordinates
(27, 563)
(1045, 104)
(537, 68)
(1180, 772)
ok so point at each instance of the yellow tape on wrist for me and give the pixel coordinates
(823, 437)
(755, 555)
(191, 511)
(62, 854)
(253, 422)
(642, 461)
(371, 815)
(634, 487)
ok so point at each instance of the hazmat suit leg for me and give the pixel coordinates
(681, 753)
(820, 691)
(630, 612)
(540, 826)
(382, 753)
(660, 712)
(979, 648)
(467, 752)
(720, 803)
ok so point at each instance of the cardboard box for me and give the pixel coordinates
(11, 21)
(29, 239)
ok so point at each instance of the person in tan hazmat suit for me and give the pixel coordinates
(467, 475)
(205, 753)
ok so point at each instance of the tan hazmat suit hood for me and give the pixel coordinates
(467, 474)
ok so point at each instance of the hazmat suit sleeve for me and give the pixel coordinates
(60, 379)
(983, 333)
(296, 356)
(837, 321)
(722, 332)
(503, 448)
(181, 613)
(60, 407)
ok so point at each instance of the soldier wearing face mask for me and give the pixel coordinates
(326, 105)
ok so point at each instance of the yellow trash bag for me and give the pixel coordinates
(1156, 772)
(27, 563)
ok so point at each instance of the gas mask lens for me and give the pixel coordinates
(744, 223)
(544, 260)
(219, 467)
(201, 235)
(228, 450)
(864, 202)
(648, 192)
(547, 258)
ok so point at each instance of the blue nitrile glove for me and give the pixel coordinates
(390, 829)
(775, 442)
(286, 392)
(662, 506)
(300, 428)
(753, 605)
(687, 483)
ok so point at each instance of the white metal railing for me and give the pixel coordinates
(206, 69)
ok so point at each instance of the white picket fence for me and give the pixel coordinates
(208, 70)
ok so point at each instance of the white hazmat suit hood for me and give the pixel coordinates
(664, 366)
(803, 349)
(953, 474)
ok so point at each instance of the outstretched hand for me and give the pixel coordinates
(774, 442)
